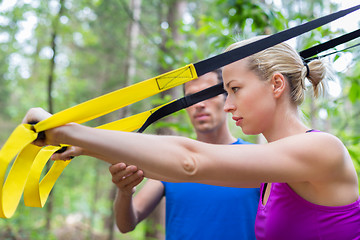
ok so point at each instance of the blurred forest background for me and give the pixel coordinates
(58, 53)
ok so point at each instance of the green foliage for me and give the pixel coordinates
(354, 82)
(260, 16)
(354, 92)
(91, 53)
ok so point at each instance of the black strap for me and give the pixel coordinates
(247, 50)
(182, 103)
(306, 54)
(208, 93)
(331, 53)
(226, 58)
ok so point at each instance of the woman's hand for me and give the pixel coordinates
(68, 154)
(35, 115)
(51, 136)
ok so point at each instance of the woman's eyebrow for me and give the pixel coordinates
(227, 85)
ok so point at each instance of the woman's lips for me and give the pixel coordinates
(238, 120)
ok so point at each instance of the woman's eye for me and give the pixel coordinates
(234, 89)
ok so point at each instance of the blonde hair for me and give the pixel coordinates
(284, 59)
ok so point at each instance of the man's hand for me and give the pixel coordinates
(126, 177)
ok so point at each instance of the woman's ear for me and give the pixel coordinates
(278, 82)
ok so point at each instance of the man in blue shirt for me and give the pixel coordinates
(193, 210)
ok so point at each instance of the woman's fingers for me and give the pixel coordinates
(35, 115)
(68, 154)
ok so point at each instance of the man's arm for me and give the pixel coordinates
(129, 210)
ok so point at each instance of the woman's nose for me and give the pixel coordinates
(229, 106)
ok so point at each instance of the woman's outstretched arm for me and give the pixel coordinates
(180, 159)
(299, 158)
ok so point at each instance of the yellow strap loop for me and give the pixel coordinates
(35, 193)
(31, 159)
(10, 192)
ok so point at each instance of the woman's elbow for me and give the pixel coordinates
(190, 166)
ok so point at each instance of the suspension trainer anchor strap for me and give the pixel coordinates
(218, 89)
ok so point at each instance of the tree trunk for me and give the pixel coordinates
(130, 68)
(95, 198)
(49, 205)
(132, 33)
(109, 222)
(156, 221)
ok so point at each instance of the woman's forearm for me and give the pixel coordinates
(162, 158)
(169, 158)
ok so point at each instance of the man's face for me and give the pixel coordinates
(208, 115)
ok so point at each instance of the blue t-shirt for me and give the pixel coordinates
(200, 211)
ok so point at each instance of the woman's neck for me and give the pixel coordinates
(284, 125)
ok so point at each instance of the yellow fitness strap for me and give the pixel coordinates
(115, 100)
(20, 140)
(31, 159)
(35, 194)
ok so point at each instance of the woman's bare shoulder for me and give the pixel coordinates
(319, 147)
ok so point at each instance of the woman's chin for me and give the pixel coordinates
(248, 131)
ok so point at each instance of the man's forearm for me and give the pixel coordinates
(125, 214)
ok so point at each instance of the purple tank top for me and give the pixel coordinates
(287, 215)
